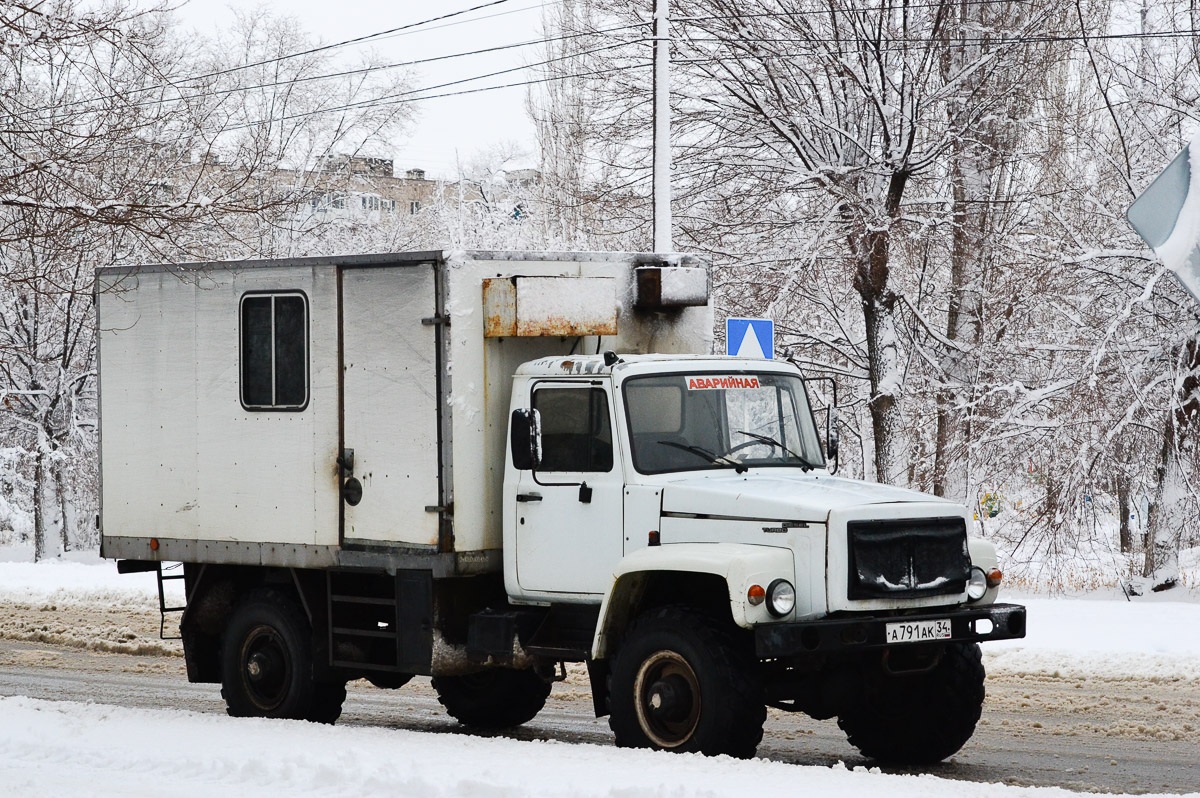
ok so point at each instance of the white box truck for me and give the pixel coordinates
(478, 466)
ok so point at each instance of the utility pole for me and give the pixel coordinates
(662, 129)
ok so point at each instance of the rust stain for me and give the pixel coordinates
(499, 308)
(562, 326)
(502, 317)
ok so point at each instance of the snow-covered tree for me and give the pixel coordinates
(123, 141)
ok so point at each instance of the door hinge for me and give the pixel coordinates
(437, 320)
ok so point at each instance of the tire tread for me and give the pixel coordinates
(933, 722)
(739, 706)
(515, 697)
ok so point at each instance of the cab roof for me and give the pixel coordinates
(580, 365)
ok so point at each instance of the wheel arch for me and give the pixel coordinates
(708, 576)
(213, 593)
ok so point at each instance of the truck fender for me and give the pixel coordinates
(738, 565)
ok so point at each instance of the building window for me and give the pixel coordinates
(339, 202)
(274, 367)
(413, 207)
(576, 432)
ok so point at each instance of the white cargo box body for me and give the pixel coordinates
(228, 392)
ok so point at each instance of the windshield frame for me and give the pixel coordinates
(806, 424)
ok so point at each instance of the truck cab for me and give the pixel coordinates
(698, 486)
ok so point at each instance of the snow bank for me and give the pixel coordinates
(90, 580)
(1111, 639)
(51, 749)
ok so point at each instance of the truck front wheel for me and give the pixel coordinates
(493, 699)
(266, 663)
(682, 682)
(919, 718)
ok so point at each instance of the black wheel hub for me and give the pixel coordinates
(266, 667)
(667, 699)
(670, 699)
(261, 667)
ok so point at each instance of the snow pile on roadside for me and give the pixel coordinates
(1098, 638)
(51, 749)
(85, 605)
(89, 581)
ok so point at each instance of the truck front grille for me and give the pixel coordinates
(908, 558)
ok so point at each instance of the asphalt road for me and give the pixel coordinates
(1107, 735)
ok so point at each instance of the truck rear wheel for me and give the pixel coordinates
(493, 699)
(920, 718)
(266, 663)
(681, 682)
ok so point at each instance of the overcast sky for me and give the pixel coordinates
(446, 129)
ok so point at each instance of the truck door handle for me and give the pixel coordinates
(529, 497)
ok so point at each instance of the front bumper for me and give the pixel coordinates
(850, 633)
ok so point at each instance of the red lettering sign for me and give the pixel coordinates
(730, 382)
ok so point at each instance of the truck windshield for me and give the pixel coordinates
(698, 421)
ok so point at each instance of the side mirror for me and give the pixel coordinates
(525, 436)
(831, 435)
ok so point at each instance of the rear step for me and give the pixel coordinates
(163, 609)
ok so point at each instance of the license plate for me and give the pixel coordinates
(918, 631)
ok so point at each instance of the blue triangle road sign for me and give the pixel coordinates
(750, 338)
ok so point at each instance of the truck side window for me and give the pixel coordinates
(274, 345)
(576, 431)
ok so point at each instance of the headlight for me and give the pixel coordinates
(977, 584)
(781, 598)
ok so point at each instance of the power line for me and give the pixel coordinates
(384, 67)
(474, 19)
(406, 96)
(177, 84)
(401, 99)
(348, 42)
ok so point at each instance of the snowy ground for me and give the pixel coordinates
(55, 748)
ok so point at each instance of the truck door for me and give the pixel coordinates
(389, 404)
(570, 510)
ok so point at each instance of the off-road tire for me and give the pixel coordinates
(499, 698)
(269, 636)
(921, 718)
(716, 689)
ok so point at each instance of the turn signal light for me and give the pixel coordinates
(993, 577)
(756, 595)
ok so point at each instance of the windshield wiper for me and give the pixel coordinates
(805, 463)
(707, 455)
